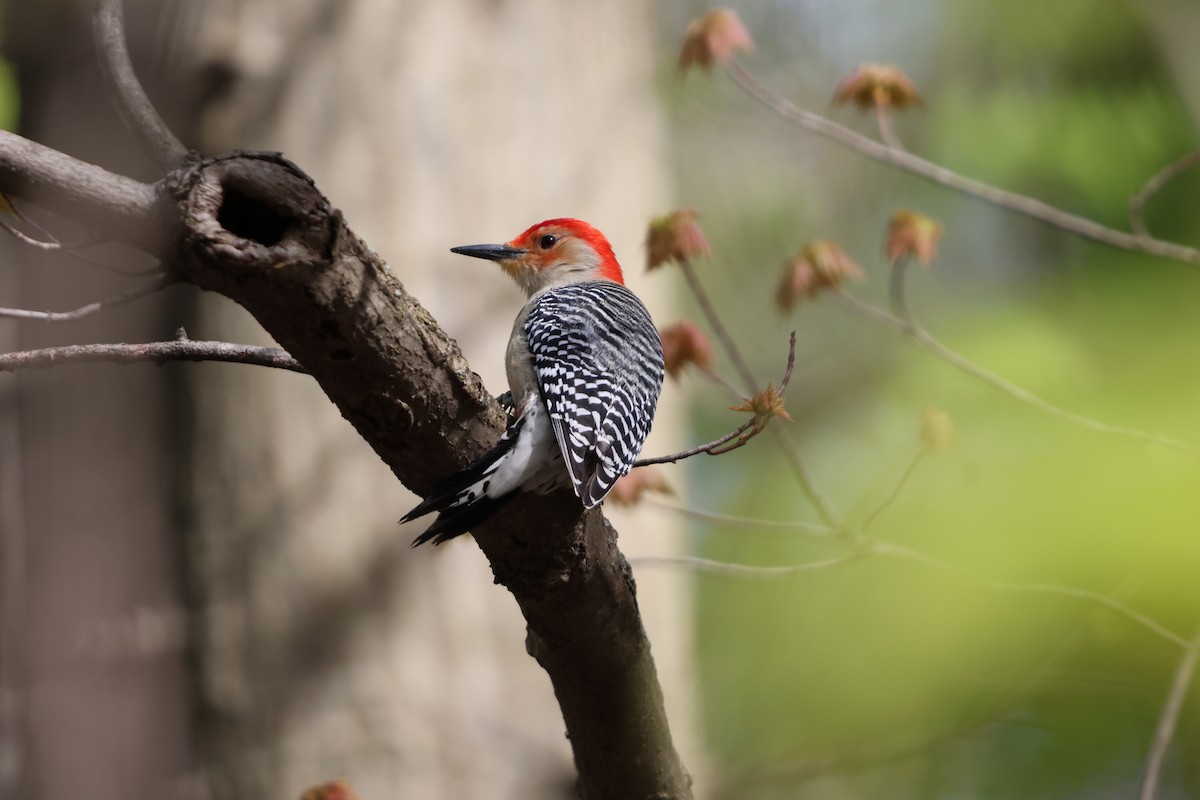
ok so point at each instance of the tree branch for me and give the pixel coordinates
(1138, 618)
(91, 308)
(125, 209)
(732, 570)
(895, 493)
(903, 321)
(902, 159)
(126, 92)
(283, 254)
(718, 327)
(155, 352)
(1154, 185)
(1164, 732)
(253, 227)
(743, 433)
(808, 528)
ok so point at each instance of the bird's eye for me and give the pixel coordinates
(547, 241)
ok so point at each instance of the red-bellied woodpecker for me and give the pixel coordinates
(585, 367)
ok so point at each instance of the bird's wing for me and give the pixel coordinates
(598, 363)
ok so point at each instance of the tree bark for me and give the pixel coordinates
(258, 231)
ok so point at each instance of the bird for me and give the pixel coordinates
(585, 367)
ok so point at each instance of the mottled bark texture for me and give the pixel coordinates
(255, 229)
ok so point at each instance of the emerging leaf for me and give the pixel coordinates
(877, 86)
(766, 404)
(937, 430)
(714, 37)
(675, 237)
(820, 265)
(334, 790)
(683, 344)
(629, 488)
(913, 234)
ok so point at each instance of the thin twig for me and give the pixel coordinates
(902, 159)
(899, 551)
(124, 272)
(91, 308)
(1154, 185)
(27, 239)
(126, 92)
(812, 528)
(808, 485)
(904, 321)
(156, 352)
(739, 436)
(714, 322)
(740, 570)
(53, 244)
(743, 433)
(891, 498)
(729, 388)
(1164, 732)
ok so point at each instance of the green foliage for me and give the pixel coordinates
(9, 97)
(886, 657)
(892, 678)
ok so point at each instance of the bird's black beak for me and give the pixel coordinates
(492, 252)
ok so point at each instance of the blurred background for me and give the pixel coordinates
(204, 594)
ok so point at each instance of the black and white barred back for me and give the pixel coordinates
(599, 367)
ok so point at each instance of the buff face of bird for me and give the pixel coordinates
(552, 253)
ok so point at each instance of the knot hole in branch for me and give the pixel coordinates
(248, 217)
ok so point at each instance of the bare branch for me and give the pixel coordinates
(1164, 732)
(125, 209)
(155, 352)
(126, 92)
(53, 244)
(742, 434)
(891, 498)
(91, 308)
(70, 250)
(803, 476)
(320, 292)
(808, 484)
(810, 528)
(1154, 185)
(25, 238)
(904, 322)
(740, 570)
(714, 321)
(902, 159)
(1152, 625)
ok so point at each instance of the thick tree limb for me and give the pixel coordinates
(258, 231)
(253, 227)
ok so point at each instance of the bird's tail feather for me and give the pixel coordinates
(462, 501)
